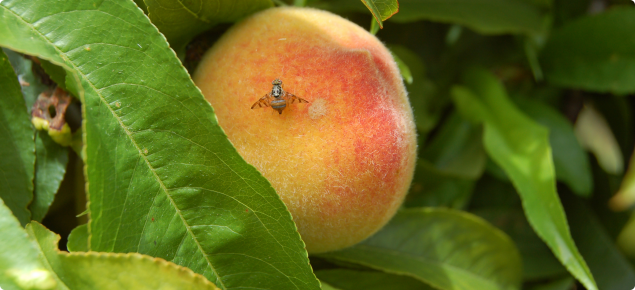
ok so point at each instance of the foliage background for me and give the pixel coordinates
(525, 125)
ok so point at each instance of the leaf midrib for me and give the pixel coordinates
(96, 91)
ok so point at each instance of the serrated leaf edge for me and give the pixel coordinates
(198, 278)
(75, 71)
(374, 10)
(105, 255)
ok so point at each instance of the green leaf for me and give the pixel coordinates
(605, 187)
(347, 279)
(50, 166)
(326, 286)
(449, 166)
(532, 45)
(566, 283)
(111, 271)
(565, 11)
(78, 239)
(484, 16)
(436, 188)
(51, 158)
(427, 106)
(32, 85)
(626, 238)
(382, 9)
(374, 27)
(17, 145)
(161, 183)
(20, 267)
(447, 249)
(610, 268)
(570, 160)
(595, 53)
(521, 148)
(625, 196)
(539, 262)
(493, 192)
(404, 70)
(180, 21)
(55, 72)
(457, 148)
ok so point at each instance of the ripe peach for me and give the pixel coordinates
(341, 163)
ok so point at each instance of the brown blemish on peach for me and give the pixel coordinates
(318, 109)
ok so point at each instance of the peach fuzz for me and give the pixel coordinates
(343, 162)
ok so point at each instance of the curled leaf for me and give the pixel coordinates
(596, 136)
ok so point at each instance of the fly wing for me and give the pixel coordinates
(263, 102)
(292, 99)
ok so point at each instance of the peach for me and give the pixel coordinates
(343, 162)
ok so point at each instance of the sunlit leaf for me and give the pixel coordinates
(163, 179)
(78, 239)
(20, 267)
(382, 9)
(180, 21)
(594, 53)
(17, 146)
(445, 248)
(570, 161)
(521, 148)
(101, 271)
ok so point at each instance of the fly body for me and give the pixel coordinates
(277, 99)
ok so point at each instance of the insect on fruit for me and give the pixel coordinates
(277, 98)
